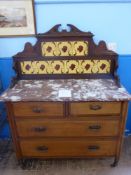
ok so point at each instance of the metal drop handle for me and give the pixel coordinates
(93, 147)
(94, 127)
(40, 129)
(95, 107)
(37, 110)
(42, 148)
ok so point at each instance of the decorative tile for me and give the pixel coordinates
(66, 67)
(65, 48)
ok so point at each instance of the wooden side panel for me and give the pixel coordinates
(124, 109)
(13, 129)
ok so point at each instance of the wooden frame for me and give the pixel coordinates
(19, 20)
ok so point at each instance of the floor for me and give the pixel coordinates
(9, 164)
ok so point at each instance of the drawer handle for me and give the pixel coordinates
(37, 110)
(95, 127)
(42, 148)
(93, 147)
(95, 107)
(40, 129)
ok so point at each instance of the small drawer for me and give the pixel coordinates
(67, 148)
(38, 109)
(95, 108)
(66, 128)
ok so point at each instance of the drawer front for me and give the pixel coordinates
(67, 148)
(39, 128)
(92, 108)
(40, 109)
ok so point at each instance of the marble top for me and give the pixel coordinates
(81, 90)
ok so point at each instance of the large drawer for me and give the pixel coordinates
(38, 109)
(66, 128)
(95, 108)
(67, 148)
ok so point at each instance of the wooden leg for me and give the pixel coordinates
(22, 163)
(25, 163)
(115, 163)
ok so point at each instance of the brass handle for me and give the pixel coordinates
(95, 127)
(42, 148)
(40, 129)
(37, 110)
(95, 107)
(93, 147)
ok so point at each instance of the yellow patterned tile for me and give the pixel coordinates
(81, 48)
(87, 66)
(65, 48)
(26, 67)
(42, 67)
(66, 67)
(57, 67)
(103, 66)
(48, 48)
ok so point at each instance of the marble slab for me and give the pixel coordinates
(81, 90)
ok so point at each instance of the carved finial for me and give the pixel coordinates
(101, 49)
(28, 47)
(102, 45)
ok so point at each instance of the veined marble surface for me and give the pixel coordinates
(81, 90)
